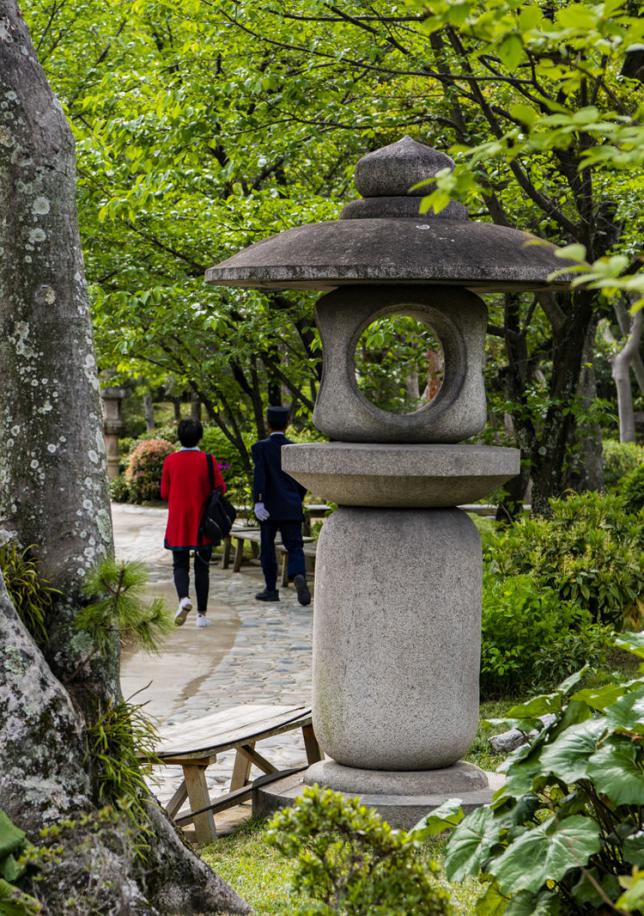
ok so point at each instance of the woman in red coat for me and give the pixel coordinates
(185, 484)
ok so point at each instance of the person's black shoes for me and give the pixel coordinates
(302, 589)
(268, 595)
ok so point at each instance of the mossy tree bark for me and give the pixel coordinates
(53, 490)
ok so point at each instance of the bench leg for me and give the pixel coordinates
(199, 797)
(228, 546)
(241, 771)
(284, 573)
(239, 554)
(177, 800)
(254, 547)
(313, 752)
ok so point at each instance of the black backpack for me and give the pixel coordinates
(218, 513)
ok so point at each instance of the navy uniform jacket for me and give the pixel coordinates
(281, 495)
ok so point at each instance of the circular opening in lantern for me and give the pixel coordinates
(399, 364)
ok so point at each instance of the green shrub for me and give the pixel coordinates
(619, 459)
(31, 594)
(590, 552)
(238, 480)
(531, 638)
(632, 490)
(119, 489)
(350, 862)
(564, 833)
(143, 473)
(168, 433)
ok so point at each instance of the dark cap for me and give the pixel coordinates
(278, 417)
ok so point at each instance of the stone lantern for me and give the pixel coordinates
(113, 426)
(397, 620)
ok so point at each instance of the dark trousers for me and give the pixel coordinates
(181, 571)
(291, 539)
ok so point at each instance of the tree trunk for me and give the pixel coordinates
(195, 409)
(587, 464)
(53, 494)
(148, 412)
(551, 451)
(621, 375)
(625, 321)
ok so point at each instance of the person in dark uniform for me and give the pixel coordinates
(278, 507)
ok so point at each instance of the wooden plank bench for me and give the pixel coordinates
(253, 535)
(194, 746)
(310, 552)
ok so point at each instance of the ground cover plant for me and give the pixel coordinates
(564, 834)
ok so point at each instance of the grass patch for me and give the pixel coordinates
(257, 872)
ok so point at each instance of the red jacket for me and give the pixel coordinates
(185, 485)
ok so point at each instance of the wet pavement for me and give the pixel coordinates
(253, 653)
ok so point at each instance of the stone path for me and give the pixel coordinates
(253, 653)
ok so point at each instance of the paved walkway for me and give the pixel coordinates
(253, 653)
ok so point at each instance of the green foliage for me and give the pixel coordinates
(633, 490)
(143, 473)
(115, 590)
(31, 594)
(564, 833)
(119, 489)
(349, 861)
(119, 735)
(13, 845)
(235, 473)
(589, 551)
(168, 433)
(399, 364)
(531, 638)
(619, 459)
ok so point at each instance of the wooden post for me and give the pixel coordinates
(313, 752)
(241, 770)
(197, 787)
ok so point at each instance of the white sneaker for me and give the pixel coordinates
(202, 621)
(185, 606)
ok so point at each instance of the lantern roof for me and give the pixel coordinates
(383, 239)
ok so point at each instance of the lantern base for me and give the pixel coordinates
(391, 793)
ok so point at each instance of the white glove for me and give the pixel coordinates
(261, 512)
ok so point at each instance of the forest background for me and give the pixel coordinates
(203, 127)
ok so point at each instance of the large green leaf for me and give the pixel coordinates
(538, 706)
(634, 848)
(11, 837)
(470, 844)
(567, 757)
(519, 779)
(11, 869)
(600, 697)
(546, 853)
(631, 642)
(633, 899)
(627, 714)
(617, 770)
(492, 903)
(446, 817)
(526, 904)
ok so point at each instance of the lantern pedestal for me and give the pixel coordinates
(397, 623)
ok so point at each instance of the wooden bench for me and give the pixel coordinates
(194, 746)
(253, 535)
(310, 552)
